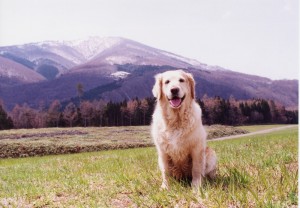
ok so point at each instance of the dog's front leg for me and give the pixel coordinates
(198, 168)
(164, 166)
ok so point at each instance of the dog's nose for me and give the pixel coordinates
(174, 91)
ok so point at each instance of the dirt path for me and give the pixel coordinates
(255, 133)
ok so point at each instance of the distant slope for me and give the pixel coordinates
(212, 83)
(12, 73)
(39, 56)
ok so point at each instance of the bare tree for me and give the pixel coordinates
(53, 114)
(15, 115)
(144, 106)
(99, 107)
(86, 109)
(70, 113)
(132, 106)
(24, 117)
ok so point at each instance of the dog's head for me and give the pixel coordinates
(174, 87)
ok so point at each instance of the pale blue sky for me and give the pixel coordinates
(250, 36)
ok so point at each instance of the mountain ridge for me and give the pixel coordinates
(17, 72)
(97, 63)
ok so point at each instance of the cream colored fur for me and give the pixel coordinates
(178, 133)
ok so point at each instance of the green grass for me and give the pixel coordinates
(254, 128)
(256, 171)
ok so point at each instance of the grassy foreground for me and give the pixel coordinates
(256, 171)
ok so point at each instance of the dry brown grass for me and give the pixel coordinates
(54, 141)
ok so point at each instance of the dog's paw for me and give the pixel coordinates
(164, 186)
(197, 183)
(212, 174)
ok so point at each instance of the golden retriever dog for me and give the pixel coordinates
(177, 130)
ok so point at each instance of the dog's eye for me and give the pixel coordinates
(181, 80)
(167, 82)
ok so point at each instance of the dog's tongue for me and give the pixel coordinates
(175, 102)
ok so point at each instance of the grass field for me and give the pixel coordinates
(53, 141)
(254, 128)
(256, 171)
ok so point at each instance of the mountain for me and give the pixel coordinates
(115, 68)
(61, 57)
(12, 73)
(127, 51)
(52, 58)
(223, 83)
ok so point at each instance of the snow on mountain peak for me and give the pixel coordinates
(98, 51)
(78, 51)
(119, 60)
(184, 59)
(92, 46)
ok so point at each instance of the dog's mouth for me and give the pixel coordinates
(176, 102)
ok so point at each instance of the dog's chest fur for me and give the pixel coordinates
(174, 144)
(176, 136)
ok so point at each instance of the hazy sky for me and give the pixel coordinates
(250, 36)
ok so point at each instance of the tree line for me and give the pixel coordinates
(215, 110)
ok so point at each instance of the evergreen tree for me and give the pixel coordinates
(5, 121)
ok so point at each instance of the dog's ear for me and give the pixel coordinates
(192, 84)
(157, 88)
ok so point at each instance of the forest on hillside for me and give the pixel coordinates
(215, 110)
